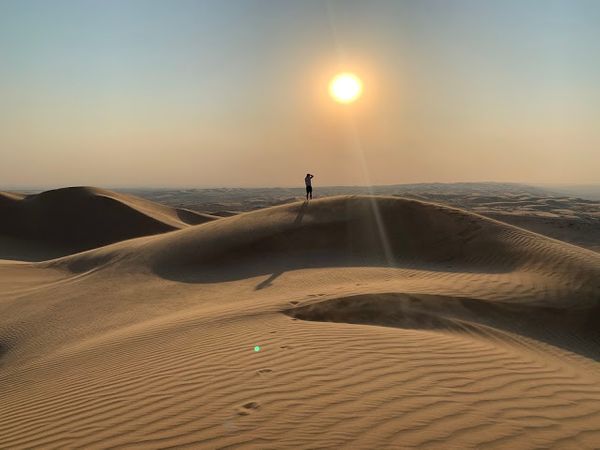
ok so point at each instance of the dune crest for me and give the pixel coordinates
(80, 218)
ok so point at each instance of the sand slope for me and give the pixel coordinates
(570, 219)
(81, 218)
(383, 323)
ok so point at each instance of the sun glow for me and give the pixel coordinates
(345, 88)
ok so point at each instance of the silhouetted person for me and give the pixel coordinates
(308, 182)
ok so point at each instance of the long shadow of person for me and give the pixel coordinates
(297, 221)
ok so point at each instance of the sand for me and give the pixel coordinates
(381, 322)
(66, 220)
(567, 218)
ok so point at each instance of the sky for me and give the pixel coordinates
(234, 93)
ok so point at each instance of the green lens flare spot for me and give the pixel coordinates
(257, 348)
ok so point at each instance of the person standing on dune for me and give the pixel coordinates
(308, 182)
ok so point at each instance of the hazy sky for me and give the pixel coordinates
(234, 93)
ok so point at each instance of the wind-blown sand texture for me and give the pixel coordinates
(382, 322)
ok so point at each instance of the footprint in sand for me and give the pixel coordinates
(247, 408)
(264, 371)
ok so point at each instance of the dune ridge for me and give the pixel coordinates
(382, 323)
(81, 218)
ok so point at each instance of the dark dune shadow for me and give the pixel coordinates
(577, 331)
(338, 243)
(29, 250)
(78, 218)
(234, 267)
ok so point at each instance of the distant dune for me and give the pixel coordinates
(80, 218)
(348, 322)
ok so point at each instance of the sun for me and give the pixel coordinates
(345, 87)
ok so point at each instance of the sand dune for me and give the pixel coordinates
(79, 218)
(382, 323)
(570, 219)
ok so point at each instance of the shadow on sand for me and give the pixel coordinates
(577, 331)
(297, 221)
(329, 244)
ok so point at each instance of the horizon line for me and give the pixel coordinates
(295, 186)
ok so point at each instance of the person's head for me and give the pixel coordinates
(308, 174)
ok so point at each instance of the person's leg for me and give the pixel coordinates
(310, 191)
(307, 191)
